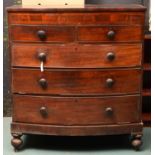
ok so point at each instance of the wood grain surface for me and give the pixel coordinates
(92, 18)
(87, 130)
(28, 33)
(77, 56)
(75, 110)
(99, 33)
(76, 82)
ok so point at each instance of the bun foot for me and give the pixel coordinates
(136, 142)
(16, 142)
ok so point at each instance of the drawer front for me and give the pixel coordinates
(76, 110)
(76, 82)
(76, 55)
(37, 33)
(130, 18)
(110, 34)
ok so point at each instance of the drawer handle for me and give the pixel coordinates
(41, 34)
(109, 111)
(43, 83)
(42, 56)
(43, 111)
(111, 34)
(110, 82)
(110, 56)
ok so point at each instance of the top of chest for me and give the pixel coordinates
(113, 14)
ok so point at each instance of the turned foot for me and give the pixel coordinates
(16, 141)
(136, 142)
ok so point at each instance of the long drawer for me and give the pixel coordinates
(61, 34)
(77, 55)
(77, 18)
(76, 110)
(76, 82)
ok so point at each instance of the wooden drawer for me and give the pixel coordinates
(110, 33)
(44, 33)
(76, 110)
(76, 82)
(77, 55)
(77, 18)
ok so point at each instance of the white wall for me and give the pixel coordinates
(112, 1)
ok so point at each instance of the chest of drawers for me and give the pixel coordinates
(76, 72)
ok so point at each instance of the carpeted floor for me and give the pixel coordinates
(49, 145)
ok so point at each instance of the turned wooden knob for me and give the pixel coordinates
(111, 34)
(43, 111)
(43, 83)
(41, 34)
(110, 56)
(109, 111)
(42, 56)
(109, 82)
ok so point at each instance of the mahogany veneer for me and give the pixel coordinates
(77, 55)
(76, 82)
(76, 72)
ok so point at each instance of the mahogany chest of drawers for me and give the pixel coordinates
(76, 72)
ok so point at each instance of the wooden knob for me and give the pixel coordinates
(43, 83)
(109, 82)
(41, 34)
(43, 111)
(42, 56)
(109, 111)
(111, 34)
(110, 56)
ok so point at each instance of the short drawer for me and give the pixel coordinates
(76, 110)
(76, 82)
(40, 33)
(77, 55)
(110, 34)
